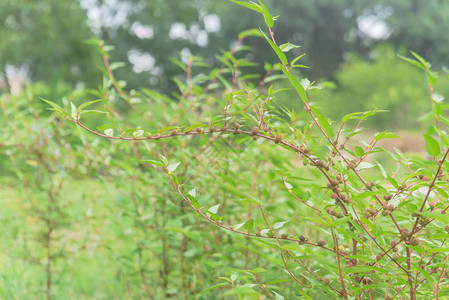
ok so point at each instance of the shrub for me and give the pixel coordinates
(291, 209)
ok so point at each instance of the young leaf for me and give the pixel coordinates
(172, 167)
(279, 224)
(109, 132)
(287, 47)
(138, 133)
(214, 209)
(74, 113)
(192, 193)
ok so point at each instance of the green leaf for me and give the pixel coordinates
(364, 165)
(250, 5)
(297, 58)
(299, 88)
(338, 222)
(276, 49)
(412, 61)
(191, 195)
(279, 225)
(249, 224)
(88, 103)
(421, 60)
(259, 270)
(359, 151)
(54, 105)
(172, 167)
(324, 123)
(153, 162)
(385, 135)
(432, 146)
(266, 15)
(438, 216)
(289, 46)
(277, 296)
(250, 32)
(213, 288)
(116, 65)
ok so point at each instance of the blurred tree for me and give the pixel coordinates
(385, 83)
(157, 30)
(44, 38)
(421, 26)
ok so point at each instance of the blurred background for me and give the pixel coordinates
(350, 44)
(82, 218)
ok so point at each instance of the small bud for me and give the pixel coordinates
(404, 233)
(302, 240)
(386, 212)
(174, 132)
(446, 228)
(379, 256)
(322, 243)
(390, 207)
(388, 197)
(258, 233)
(254, 131)
(432, 204)
(213, 128)
(319, 279)
(334, 196)
(278, 139)
(415, 242)
(327, 281)
(199, 130)
(284, 235)
(393, 243)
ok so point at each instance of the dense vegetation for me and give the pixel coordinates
(236, 185)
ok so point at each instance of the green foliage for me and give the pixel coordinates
(216, 191)
(385, 83)
(47, 37)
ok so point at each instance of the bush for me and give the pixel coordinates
(288, 208)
